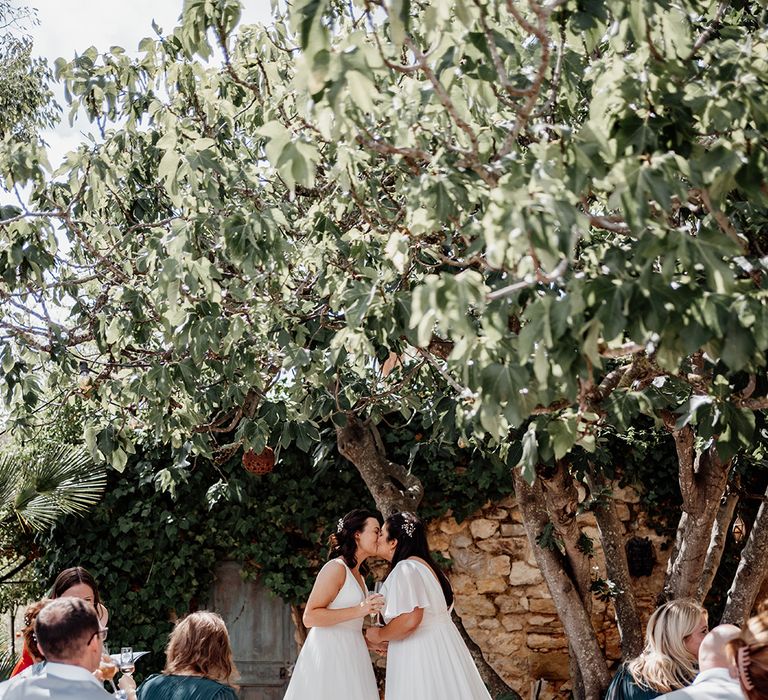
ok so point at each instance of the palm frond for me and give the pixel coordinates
(55, 481)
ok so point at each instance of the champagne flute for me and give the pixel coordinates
(108, 667)
(375, 617)
(127, 665)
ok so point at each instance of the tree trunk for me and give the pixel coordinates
(751, 571)
(611, 533)
(718, 539)
(570, 609)
(702, 482)
(561, 499)
(392, 486)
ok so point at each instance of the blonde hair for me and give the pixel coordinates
(665, 664)
(199, 645)
(753, 672)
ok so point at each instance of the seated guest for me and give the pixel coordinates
(69, 636)
(75, 582)
(668, 660)
(715, 680)
(749, 655)
(198, 663)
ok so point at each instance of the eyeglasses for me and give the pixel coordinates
(102, 634)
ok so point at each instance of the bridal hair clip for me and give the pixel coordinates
(409, 524)
(340, 525)
(742, 662)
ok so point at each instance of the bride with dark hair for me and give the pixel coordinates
(334, 661)
(426, 657)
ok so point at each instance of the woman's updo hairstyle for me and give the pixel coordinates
(411, 535)
(343, 543)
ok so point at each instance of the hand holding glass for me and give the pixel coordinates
(376, 591)
(127, 664)
(108, 667)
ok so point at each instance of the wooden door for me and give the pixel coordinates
(261, 631)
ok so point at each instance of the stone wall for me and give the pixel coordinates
(503, 599)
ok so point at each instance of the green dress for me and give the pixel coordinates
(623, 687)
(161, 687)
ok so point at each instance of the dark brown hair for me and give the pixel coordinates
(199, 644)
(342, 542)
(408, 529)
(71, 577)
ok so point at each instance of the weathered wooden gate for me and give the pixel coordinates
(261, 631)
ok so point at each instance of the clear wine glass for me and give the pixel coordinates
(127, 665)
(108, 667)
(376, 617)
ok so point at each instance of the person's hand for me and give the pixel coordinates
(372, 605)
(127, 684)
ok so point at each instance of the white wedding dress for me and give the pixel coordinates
(432, 663)
(334, 663)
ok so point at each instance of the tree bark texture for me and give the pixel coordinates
(393, 487)
(751, 572)
(702, 482)
(570, 609)
(718, 539)
(561, 499)
(611, 532)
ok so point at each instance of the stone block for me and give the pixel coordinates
(512, 623)
(503, 545)
(496, 513)
(511, 604)
(512, 530)
(490, 624)
(522, 574)
(462, 541)
(540, 619)
(480, 607)
(483, 528)
(542, 605)
(450, 527)
(463, 584)
(491, 585)
(499, 566)
(536, 640)
(468, 561)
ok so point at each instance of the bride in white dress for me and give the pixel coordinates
(427, 658)
(334, 662)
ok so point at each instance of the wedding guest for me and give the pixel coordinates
(668, 661)
(75, 582)
(334, 662)
(198, 663)
(715, 680)
(749, 654)
(70, 638)
(426, 657)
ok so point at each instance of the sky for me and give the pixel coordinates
(67, 27)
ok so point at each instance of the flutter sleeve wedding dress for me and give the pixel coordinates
(334, 663)
(432, 663)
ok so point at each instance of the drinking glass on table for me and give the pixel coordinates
(108, 668)
(127, 665)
